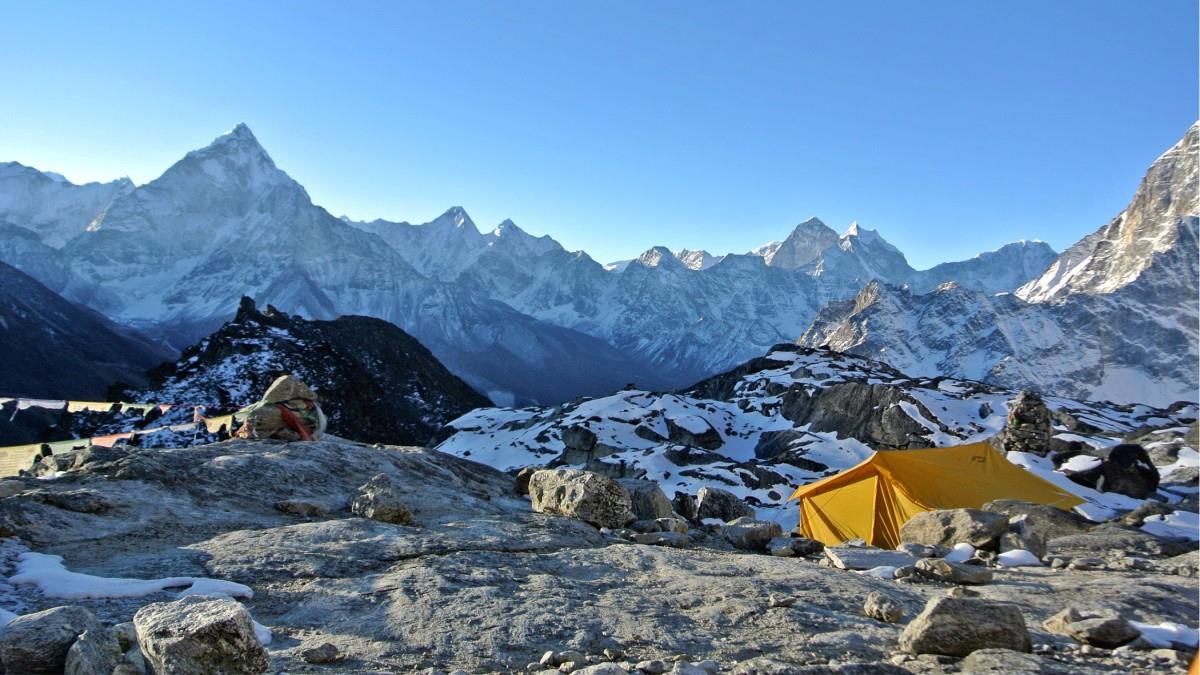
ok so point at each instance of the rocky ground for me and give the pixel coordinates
(440, 565)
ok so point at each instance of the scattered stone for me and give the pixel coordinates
(301, 507)
(646, 499)
(199, 634)
(1137, 517)
(749, 534)
(720, 504)
(1024, 535)
(947, 527)
(865, 557)
(10, 487)
(613, 654)
(93, 652)
(778, 601)
(651, 667)
(672, 539)
(882, 608)
(1107, 632)
(1004, 662)
(921, 550)
(788, 547)
(588, 496)
(326, 652)
(380, 500)
(1084, 564)
(959, 626)
(602, 669)
(956, 573)
(39, 642)
(672, 525)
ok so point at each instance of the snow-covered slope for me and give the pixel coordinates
(787, 418)
(1114, 317)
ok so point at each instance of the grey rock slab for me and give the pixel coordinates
(93, 652)
(866, 557)
(955, 573)
(337, 548)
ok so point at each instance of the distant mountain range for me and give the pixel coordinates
(518, 317)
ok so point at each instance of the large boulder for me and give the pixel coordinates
(749, 534)
(721, 504)
(959, 626)
(39, 642)
(1104, 538)
(1049, 521)
(1126, 469)
(199, 635)
(379, 500)
(693, 431)
(947, 527)
(590, 497)
(647, 499)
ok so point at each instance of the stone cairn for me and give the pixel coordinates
(1028, 428)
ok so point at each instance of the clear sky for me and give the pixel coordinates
(950, 127)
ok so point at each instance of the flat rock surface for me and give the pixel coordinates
(480, 583)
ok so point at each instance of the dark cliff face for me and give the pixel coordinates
(53, 348)
(376, 382)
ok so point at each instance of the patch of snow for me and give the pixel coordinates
(1080, 463)
(262, 633)
(961, 553)
(881, 572)
(1018, 558)
(54, 580)
(1177, 525)
(1168, 634)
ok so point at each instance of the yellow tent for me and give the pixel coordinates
(873, 499)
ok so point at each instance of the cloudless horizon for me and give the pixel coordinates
(952, 128)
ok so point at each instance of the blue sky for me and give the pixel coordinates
(951, 127)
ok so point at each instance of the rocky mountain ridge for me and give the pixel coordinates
(376, 382)
(1114, 317)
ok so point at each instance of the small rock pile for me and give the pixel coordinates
(1029, 426)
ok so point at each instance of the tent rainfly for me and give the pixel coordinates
(875, 498)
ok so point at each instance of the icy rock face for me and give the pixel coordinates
(51, 206)
(784, 419)
(1115, 317)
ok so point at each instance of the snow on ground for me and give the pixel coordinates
(1180, 524)
(631, 431)
(53, 579)
(1167, 634)
(1018, 558)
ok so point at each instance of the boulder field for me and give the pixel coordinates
(343, 557)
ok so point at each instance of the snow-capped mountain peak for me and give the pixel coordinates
(803, 245)
(696, 260)
(659, 256)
